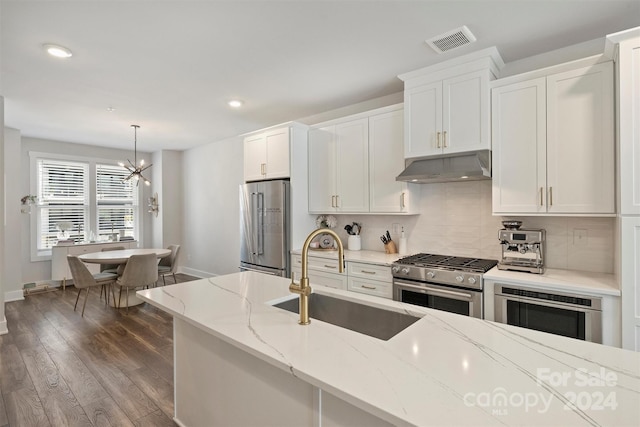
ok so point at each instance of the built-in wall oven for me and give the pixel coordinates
(447, 283)
(559, 313)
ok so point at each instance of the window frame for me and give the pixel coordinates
(92, 214)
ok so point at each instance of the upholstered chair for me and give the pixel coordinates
(140, 271)
(168, 264)
(83, 279)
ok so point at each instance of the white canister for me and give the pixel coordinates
(354, 243)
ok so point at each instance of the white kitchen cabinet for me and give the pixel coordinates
(386, 161)
(322, 271)
(625, 48)
(266, 155)
(371, 279)
(353, 164)
(449, 116)
(338, 167)
(553, 144)
(447, 106)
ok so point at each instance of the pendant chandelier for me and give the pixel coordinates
(136, 171)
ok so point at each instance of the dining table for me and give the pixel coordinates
(120, 257)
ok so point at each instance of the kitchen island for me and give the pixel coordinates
(240, 361)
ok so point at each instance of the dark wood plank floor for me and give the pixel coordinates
(107, 368)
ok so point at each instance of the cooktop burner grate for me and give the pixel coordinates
(476, 265)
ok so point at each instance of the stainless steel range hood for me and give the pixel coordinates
(469, 166)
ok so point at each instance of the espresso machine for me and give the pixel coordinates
(522, 249)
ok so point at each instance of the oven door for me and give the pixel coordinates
(550, 312)
(460, 301)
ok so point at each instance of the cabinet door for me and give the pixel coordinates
(255, 155)
(322, 170)
(519, 147)
(465, 113)
(629, 136)
(423, 120)
(580, 141)
(352, 143)
(386, 161)
(277, 154)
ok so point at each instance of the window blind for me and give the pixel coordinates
(116, 200)
(63, 200)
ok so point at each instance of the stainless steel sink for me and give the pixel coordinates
(372, 321)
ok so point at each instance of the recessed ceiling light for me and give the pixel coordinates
(57, 50)
(111, 109)
(235, 103)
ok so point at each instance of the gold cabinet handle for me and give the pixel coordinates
(550, 196)
(263, 168)
(541, 191)
(337, 201)
(444, 139)
(333, 201)
(438, 140)
(402, 204)
(367, 272)
(367, 287)
(330, 266)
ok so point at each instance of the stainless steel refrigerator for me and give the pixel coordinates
(264, 227)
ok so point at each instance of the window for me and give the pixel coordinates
(115, 201)
(63, 201)
(88, 199)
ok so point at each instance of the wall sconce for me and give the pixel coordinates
(154, 206)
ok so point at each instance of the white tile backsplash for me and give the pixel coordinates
(455, 219)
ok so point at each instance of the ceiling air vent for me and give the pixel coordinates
(451, 40)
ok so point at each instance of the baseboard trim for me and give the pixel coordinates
(14, 296)
(197, 273)
(3, 326)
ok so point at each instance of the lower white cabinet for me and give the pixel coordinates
(371, 279)
(60, 266)
(322, 271)
(365, 278)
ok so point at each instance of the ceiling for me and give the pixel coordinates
(171, 66)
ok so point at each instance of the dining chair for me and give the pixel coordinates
(83, 279)
(168, 264)
(109, 268)
(140, 271)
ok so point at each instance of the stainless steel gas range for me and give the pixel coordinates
(442, 282)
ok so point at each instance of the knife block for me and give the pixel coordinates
(390, 247)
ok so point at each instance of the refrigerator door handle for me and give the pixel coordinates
(260, 223)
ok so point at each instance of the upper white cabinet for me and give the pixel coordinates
(386, 161)
(266, 155)
(354, 161)
(447, 106)
(553, 146)
(338, 167)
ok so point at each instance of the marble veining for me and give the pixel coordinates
(444, 369)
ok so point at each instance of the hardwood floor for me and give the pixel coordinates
(104, 369)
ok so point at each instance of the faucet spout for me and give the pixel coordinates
(303, 288)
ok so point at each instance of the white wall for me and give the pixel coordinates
(14, 218)
(3, 319)
(41, 270)
(211, 214)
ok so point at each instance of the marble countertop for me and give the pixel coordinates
(445, 369)
(560, 280)
(369, 257)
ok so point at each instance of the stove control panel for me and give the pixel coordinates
(437, 275)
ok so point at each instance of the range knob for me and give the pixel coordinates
(460, 279)
(395, 269)
(405, 270)
(472, 280)
(431, 274)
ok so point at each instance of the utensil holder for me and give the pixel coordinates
(354, 243)
(390, 247)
